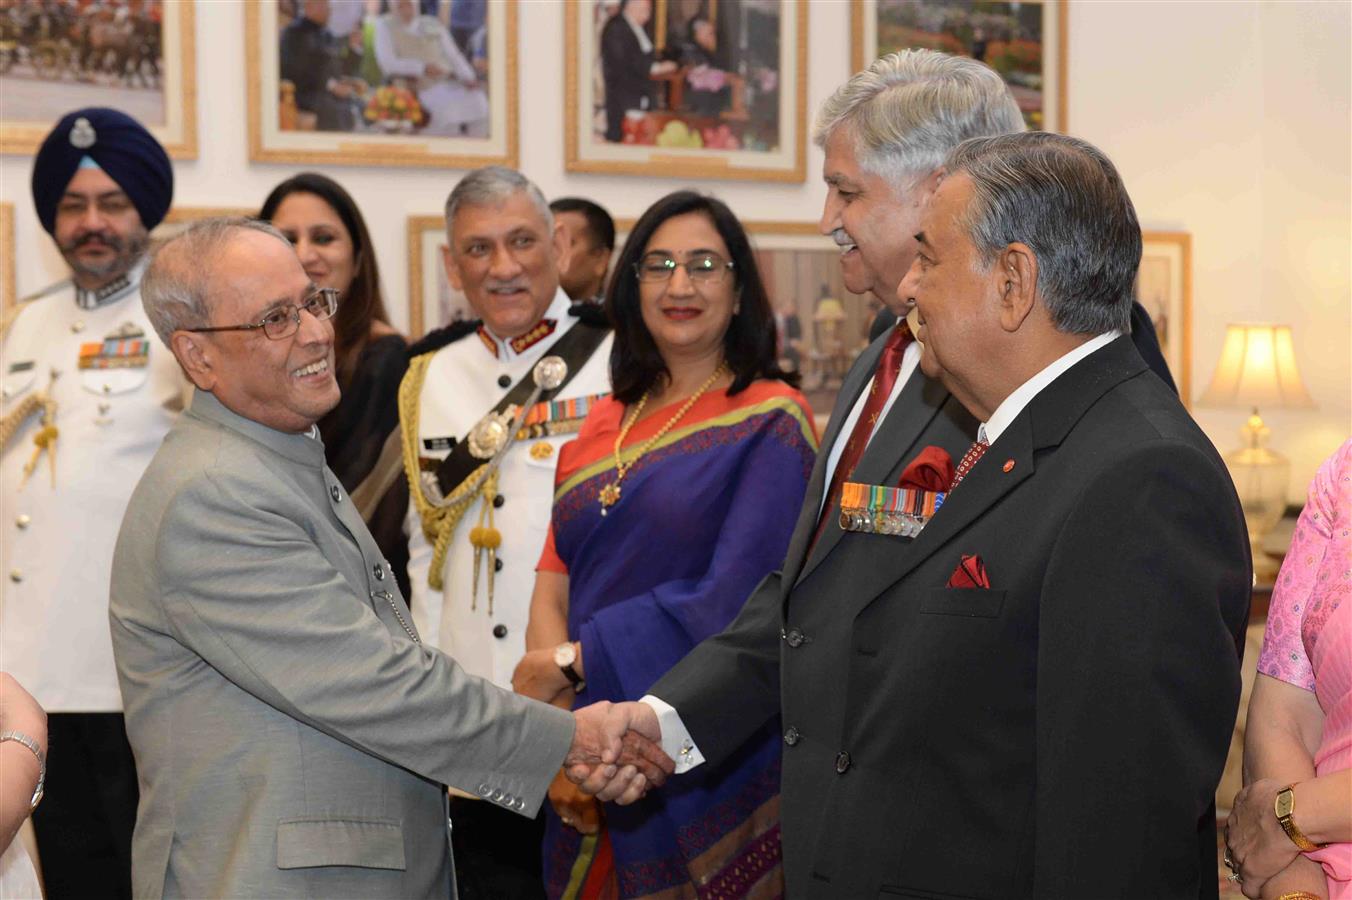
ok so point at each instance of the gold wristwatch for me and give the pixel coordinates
(1285, 808)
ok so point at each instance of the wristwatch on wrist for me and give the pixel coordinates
(1285, 808)
(21, 738)
(565, 655)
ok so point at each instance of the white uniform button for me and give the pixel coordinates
(77, 326)
(23, 520)
(16, 575)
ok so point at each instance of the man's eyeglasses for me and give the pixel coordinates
(284, 321)
(705, 268)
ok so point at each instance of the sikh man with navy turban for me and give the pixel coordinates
(93, 396)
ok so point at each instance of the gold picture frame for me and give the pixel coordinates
(1043, 97)
(764, 106)
(268, 108)
(8, 286)
(432, 302)
(28, 114)
(1164, 287)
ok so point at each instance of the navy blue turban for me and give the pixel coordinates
(123, 149)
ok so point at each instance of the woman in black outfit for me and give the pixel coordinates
(323, 223)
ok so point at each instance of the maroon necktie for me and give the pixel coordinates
(884, 378)
(969, 459)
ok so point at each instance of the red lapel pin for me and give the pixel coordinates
(1009, 465)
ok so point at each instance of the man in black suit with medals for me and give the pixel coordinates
(1032, 695)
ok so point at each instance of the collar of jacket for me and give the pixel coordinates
(299, 448)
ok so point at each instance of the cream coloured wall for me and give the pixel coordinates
(1230, 120)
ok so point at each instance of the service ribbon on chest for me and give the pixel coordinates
(878, 509)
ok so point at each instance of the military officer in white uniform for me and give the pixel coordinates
(505, 253)
(86, 400)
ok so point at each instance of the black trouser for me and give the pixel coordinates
(88, 811)
(497, 853)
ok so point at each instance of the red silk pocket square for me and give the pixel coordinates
(931, 470)
(970, 573)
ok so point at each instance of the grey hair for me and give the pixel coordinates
(491, 186)
(176, 288)
(1063, 198)
(909, 109)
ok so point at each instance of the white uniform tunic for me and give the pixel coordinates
(57, 541)
(463, 382)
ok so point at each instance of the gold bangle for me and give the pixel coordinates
(1299, 895)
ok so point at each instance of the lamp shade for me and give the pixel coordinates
(829, 309)
(1257, 369)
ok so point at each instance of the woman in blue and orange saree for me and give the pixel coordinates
(677, 497)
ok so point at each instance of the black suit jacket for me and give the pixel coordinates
(1058, 735)
(627, 73)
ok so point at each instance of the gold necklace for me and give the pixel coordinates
(610, 494)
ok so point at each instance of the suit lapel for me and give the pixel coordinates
(1043, 424)
(855, 379)
(908, 418)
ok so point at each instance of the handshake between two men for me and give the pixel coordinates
(616, 753)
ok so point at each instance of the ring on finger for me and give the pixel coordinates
(1234, 876)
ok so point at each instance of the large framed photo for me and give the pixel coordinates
(136, 56)
(382, 83)
(1024, 40)
(1164, 288)
(686, 88)
(432, 302)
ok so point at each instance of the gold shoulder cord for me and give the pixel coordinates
(45, 440)
(439, 520)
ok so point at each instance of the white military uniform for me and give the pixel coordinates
(465, 380)
(57, 546)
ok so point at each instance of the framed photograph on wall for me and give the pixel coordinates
(821, 326)
(382, 88)
(1164, 288)
(180, 217)
(686, 88)
(137, 57)
(1024, 40)
(432, 302)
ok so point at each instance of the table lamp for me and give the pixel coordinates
(1258, 368)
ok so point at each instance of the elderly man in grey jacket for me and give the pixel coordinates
(291, 732)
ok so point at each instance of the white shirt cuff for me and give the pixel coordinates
(676, 740)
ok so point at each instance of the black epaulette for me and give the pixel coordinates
(590, 314)
(435, 340)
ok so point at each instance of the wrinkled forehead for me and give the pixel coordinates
(256, 271)
(491, 220)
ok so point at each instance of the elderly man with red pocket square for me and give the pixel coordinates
(1032, 697)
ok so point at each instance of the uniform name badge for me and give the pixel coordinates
(877, 509)
(117, 364)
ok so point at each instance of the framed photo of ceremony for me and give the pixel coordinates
(138, 58)
(432, 302)
(1164, 288)
(1024, 40)
(382, 83)
(820, 326)
(686, 88)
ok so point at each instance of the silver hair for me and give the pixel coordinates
(1063, 198)
(909, 109)
(491, 186)
(176, 290)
